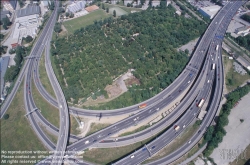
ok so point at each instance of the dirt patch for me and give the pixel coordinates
(118, 87)
(131, 81)
(113, 90)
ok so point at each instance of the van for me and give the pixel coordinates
(176, 127)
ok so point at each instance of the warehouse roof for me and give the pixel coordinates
(30, 10)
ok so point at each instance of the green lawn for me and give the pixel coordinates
(96, 127)
(233, 79)
(16, 133)
(118, 10)
(44, 77)
(106, 156)
(49, 112)
(136, 130)
(85, 20)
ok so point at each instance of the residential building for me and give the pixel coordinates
(76, 6)
(243, 30)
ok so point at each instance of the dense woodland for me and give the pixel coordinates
(94, 56)
(243, 41)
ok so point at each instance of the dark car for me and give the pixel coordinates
(152, 147)
(144, 149)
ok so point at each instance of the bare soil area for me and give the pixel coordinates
(118, 87)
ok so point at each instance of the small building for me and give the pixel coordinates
(76, 6)
(28, 11)
(91, 8)
(4, 62)
(209, 11)
(5, 14)
(9, 5)
(45, 3)
(178, 12)
(156, 3)
(243, 30)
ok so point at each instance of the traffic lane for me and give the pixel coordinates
(208, 116)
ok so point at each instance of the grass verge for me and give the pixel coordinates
(48, 111)
(16, 133)
(85, 20)
(175, 144)
(96, 127)
(44, 77)
(110, 155)
(136, 130)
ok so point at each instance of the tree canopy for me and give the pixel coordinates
(147, 41)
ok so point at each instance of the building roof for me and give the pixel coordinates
(211, 10)
(4, 62)
(4, 13)
(244, 28)
(12, 2)
(30, 10)
(44, 3)
(91, 8)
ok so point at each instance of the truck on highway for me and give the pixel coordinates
(201, 103)
(142, 106)
(213, 66)
(217, 47)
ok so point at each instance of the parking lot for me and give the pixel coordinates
(238, 133)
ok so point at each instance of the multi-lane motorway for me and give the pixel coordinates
(193, 79)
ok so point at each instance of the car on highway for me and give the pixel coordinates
(189, 141)
(86, 142)
(152, 148)
(132, 156)
(144, 149)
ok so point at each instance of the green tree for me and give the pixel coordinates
(57, 28)
(114, 13)
(107, 10)
(103, 7)
(28, 39)
(6, 116)
(5, 27)
(67, 14)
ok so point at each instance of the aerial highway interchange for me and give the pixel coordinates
(199, 80)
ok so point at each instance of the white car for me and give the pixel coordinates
(189, 141)
(87, 142)
(184, 126)
(132, 156)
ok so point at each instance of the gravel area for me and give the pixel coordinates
(238, 134)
